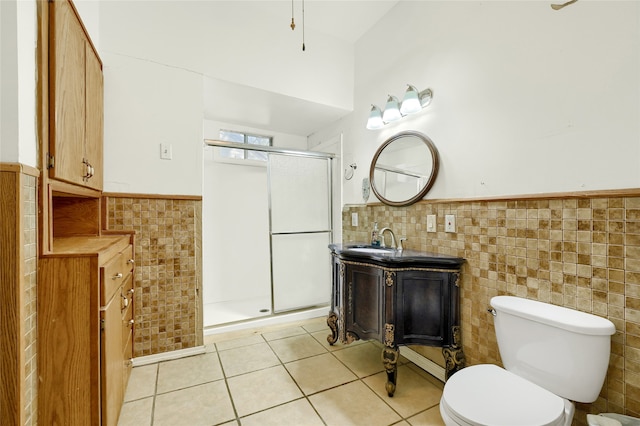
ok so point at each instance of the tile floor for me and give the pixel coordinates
(282, 375)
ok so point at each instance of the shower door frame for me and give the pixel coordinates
(294, 153)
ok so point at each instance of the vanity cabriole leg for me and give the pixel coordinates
(390, 362)
(390, 355)
(453, 355)
(332, 322)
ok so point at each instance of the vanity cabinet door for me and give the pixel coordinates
(422, 309)
(112, 361)
(77, 101)
(365, 302)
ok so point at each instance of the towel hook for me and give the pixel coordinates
(348, 175)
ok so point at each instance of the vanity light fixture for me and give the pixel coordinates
(375, 119)
(414, 101)
(391, 110)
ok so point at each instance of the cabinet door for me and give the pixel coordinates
(364, 301)
(112, 374)
(422, 308)
(67, 92)
(94, 118)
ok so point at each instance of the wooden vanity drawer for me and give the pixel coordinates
(114, 273)
(127, 330)
(126, 294)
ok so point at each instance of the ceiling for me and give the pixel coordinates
(344, 20)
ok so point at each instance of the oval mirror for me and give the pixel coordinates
(404, 169)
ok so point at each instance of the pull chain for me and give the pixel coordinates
(303, 48)
(293, 24)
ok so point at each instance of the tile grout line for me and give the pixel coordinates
(226, 384)
(155, 393)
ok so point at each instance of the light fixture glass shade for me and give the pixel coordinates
(411, 101)
(391, 110)
(375, 118)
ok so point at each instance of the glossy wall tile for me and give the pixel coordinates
(582, 253)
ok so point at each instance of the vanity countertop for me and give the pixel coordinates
(393, 258)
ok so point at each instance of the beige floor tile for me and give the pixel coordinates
(430, 417)
(321, 337)
(428, 377)
(353, 404)
(283, 333)
(190, 371)
(296, 347)
(413, 392)
(318, 324)
(247, 358)
(136, 413)
(259, 390)
(241, 341)
(364, 360)
(205, 405)
(295, 413)
(319, 373)
(142, 382)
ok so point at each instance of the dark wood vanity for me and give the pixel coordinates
(398, 298)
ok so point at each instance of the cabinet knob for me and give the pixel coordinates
(117, 276)
(130, 261)
(125, 301)
(131, 291)
(131, 322)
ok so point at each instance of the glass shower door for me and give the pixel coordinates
(301, 230)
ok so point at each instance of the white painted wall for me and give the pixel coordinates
(157, 57)
(526, 99)
(146, 104)
(18, 38)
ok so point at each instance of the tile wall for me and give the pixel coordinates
(167, 269)
(578, 252)
(30, 268)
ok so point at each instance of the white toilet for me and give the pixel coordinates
(552, 356)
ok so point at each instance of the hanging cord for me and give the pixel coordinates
(560, 6)
(303, 48)
(293, 24)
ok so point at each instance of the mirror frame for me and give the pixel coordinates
(435, 164)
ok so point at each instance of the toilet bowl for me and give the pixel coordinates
(551, 356)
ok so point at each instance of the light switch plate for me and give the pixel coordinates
(449, 223)
(354, 219)
(166, 151)
(431, 223)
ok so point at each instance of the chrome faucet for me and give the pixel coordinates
(393, 237)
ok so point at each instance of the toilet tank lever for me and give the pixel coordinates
(492, 311)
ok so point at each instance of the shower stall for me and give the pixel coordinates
(266, 228)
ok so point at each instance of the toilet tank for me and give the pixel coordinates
(563, 350)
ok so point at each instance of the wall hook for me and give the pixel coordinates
(348, 174)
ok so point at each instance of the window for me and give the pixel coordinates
(244, 154)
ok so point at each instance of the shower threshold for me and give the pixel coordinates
(268, 319)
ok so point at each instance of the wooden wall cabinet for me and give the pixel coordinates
(85, 302)
(85, 273)
(76, 94)
(397, 298)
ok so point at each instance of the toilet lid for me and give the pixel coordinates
(489, 395)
